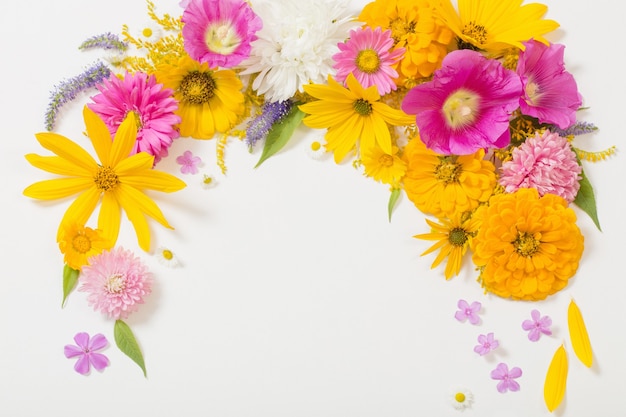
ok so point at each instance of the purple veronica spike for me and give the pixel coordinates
(105, 41)
(271, 113)
(579, 128)
(85, 349)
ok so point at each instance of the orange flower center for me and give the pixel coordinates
(106, 179)
(386, 160)
(81, 243)
(526, 244)
(368, 61)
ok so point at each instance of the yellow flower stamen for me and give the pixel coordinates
(400, 28)
(363, 107)
(448, 171)
(167, 254)
(475, 34)
(386, 160)
(316, 146)
(526, 244)
(106, 179)
(147, 32)
(221, 38)
(115, 284)
(368, 61)
(459, 397)
(461, 108)
(197, 87)
(458, 236)
(81, 243)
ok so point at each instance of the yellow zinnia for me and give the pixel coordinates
(495, 25)
(209, 101)
(444, 185)
(528, 247)
(118, 180)
(351, 115)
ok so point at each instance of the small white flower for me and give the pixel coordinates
(166, 257)
(316, 149)
(149, 31)
(461, 399)
(208, 181)
(115, 57)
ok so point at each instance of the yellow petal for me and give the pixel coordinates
(110, 217)
(124, 140)
(129, 197)
(57, 165)
(556, 379)
(578, 334)
(80, 210)
(57, 188)
(154, 180)
(67, 150)
(141, 227)
(99, 135)
(141, 161)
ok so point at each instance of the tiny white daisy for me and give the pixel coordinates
(316, 149)
(166, 257)
(149, 31)
(461, 399)
(208, 181)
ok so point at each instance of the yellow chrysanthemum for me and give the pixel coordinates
(413, 27)
(351, 115)
(443, 185)
(453, 237)
(208, 101)
(387, 168)
(528, 247)
(495, 25)
(118, 180)
(78, 243)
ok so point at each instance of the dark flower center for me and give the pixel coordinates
(197, 87)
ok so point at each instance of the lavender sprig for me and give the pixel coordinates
(576, 129)
(68, 89)
(105, 41)
(271, 113)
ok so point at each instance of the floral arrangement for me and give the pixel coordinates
(472, 119)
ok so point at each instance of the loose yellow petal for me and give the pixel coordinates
(556, 378)
(578, 334)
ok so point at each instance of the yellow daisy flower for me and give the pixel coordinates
(387, 168)
(528, 247)
(117, 181)
(495, 25)
(453, 237)
(444, 185)
(351, 115)
(78, 243)
(208, 101)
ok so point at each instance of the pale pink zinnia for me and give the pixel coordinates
(467, 104)
(369, 56)
(219, 32)
(550, 93)
(116, 282)
(546, 162)
(153, 105)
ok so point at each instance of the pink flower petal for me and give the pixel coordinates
(99, 361)
(82, 365)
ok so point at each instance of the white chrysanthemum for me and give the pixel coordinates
(296, 45)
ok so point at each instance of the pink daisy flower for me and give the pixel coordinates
(368, 55)
(467, 104)
(550, 93)
(219, 32)
(153, 105)
(116, 282)
(546, 162)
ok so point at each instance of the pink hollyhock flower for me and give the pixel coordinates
(86, 351)
(550, 93)
(537, 326)
(153, 105)
(506, 377)
(486, 343)
(367, 54)
(546, 162)
(116, 282)
(468, 312)
(467, 104)
(189, 163)
(219, 32)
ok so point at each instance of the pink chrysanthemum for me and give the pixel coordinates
(546, 162)
(153, 105)
(219, 32)
(117, 282)
(466, 106)
(550, 93)
(368, 55)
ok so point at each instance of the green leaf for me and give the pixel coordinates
(393, 200)
(70, 278)
(586, 200)
(281, 133)
(126, 342)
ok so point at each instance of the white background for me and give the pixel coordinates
(295, 295)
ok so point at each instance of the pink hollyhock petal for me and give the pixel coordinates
(98, 342)
(71, 351)
(82, 365)
(99, 361)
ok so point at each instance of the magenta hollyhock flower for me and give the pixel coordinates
(545, 162)
(369, 56)
(550, 93)
(85, 349)
(189, 163)
(468, 312)
(153, 105)
(506, 377)
(219, 32)
(537, 326)
(486, 343)
(467, 104)
(116, 282)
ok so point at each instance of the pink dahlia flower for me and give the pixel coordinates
(545, 162)
(550, 93)
(153, 105)
(467, 104)
(368, 55)
(116, 282)
(219, 32)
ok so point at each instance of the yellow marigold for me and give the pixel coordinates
(413, 27)
(387, 168)
(77, 243)
(528, 247)
(443, 185)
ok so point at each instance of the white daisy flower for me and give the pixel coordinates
(208, 181)
(316, 149)
(149, 31)
(461, 399)
(166, 257)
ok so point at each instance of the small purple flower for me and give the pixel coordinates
(86, 350)
(486, 343)
(537, 325)
(506, 377)
(105, 41)
(468, 312)
(260, 126)
(189, 163)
